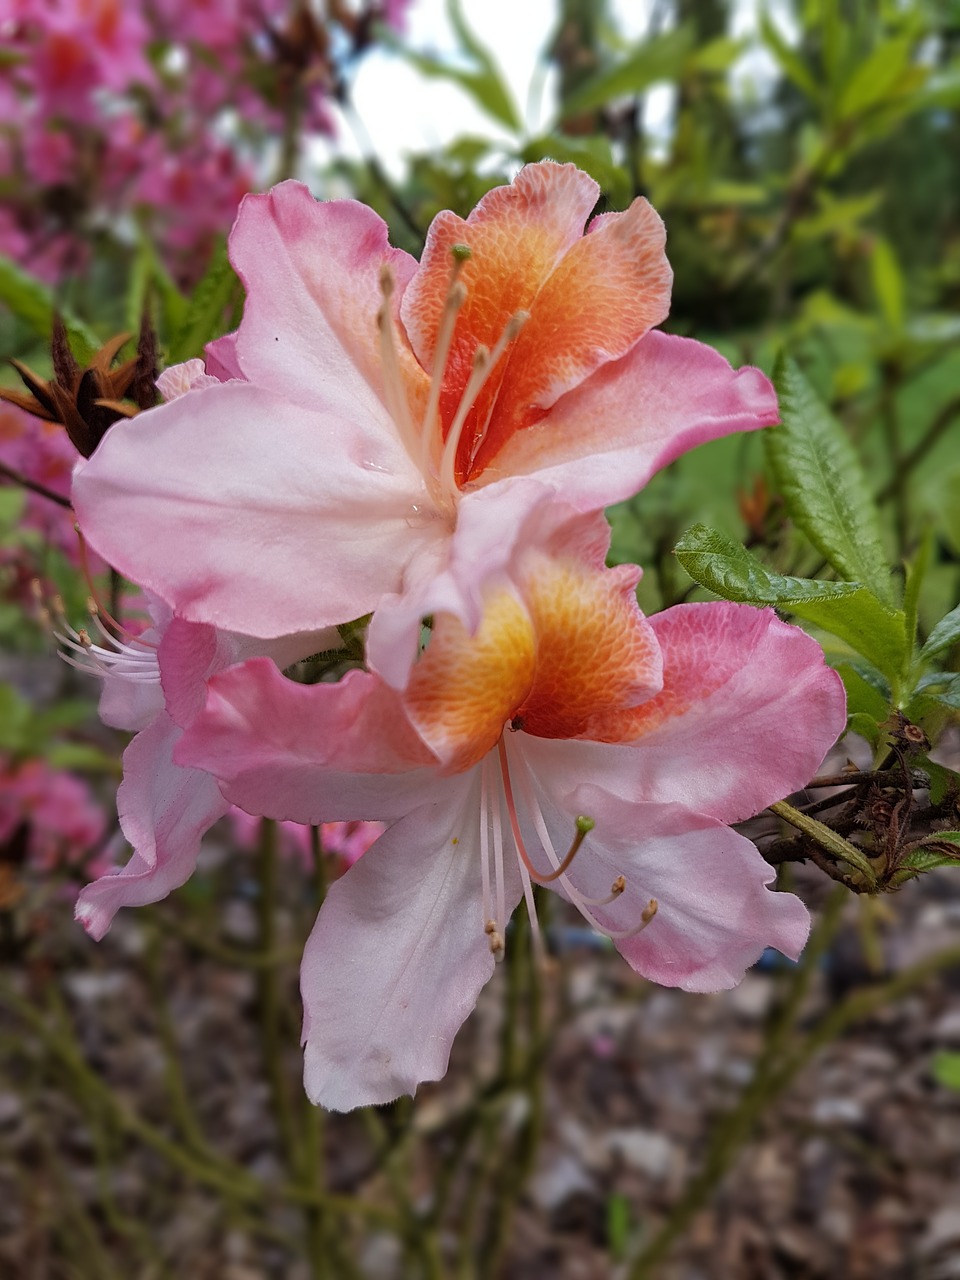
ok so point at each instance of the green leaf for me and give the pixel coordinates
(946, 1069)
(823, 483)
(79, 755)
(728, 569)
(34, 304)
(844, 609)
(950, 696)
(943, 636)
(863, 698)
(865, 624)
(650, 62)
(790, 62)
(204, 317)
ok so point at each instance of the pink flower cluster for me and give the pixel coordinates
(63, 821)
(420, 454)
(163, 112)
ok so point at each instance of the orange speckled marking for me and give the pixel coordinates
(596, 653)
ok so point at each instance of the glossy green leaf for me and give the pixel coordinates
(33, 302)
(650, 62)
(728, 569)
(823, 483)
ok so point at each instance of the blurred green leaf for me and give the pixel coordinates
(888, 282)
(14, 719)
(34, 304)
(204, 318)
(946, 1069)
(484, 83)
(789, 60)
(875, 77)
(650, 62)
(81, 755)
(823, 484)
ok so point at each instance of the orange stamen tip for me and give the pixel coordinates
(619, 885)
(481, 357)
(650, 910)
(84, 637)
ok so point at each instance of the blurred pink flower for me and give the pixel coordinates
(65, 822)
(346, 841)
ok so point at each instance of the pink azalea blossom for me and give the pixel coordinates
(566, 740)
(380, 400)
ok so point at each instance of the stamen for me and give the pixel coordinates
(539, 950)
(484, 362)
(135, 661)
(582, 903)
(392, 379)
(498, 861)
(583, 825)
(456, 296)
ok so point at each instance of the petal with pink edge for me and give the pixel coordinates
(250, 513)
(309, 753)
(165, 811)
(398, 956)
(747, 712)
(604, 440)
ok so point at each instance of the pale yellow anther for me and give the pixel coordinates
(650, 910)
(84, 637)
(618, 886)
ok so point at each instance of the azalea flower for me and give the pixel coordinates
(566, 741)
(378, 399)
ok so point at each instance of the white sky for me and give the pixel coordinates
(402, 112)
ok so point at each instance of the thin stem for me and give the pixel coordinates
(920, 450)
(269, 998)
(35, 487)
(826, 839)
